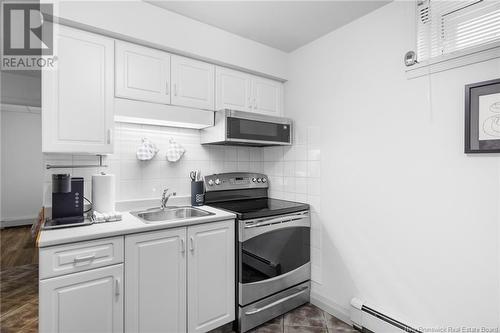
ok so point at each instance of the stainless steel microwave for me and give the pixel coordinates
(238, 128)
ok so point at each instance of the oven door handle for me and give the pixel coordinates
(263, 226)
(287, 218)
(284, 299)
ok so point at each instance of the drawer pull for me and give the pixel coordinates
(83, 259)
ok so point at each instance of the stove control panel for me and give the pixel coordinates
(235, 181)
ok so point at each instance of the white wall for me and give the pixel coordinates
(21, 88)
(22, 174)
(142, 22)
(146, 179)
(21, 149)
(410, 223)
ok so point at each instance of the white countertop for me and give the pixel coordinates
(128, 225)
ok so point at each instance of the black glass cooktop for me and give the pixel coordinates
(262, 207)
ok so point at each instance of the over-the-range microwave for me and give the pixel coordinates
(238, 128)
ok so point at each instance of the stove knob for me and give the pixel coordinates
(210, 182)
(259, 180)
(264, 180)
(254, 179)
(217, 181)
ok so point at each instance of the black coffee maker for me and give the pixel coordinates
(67, 199)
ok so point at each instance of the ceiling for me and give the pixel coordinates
(285, 25)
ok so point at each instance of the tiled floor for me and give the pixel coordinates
(305, 319)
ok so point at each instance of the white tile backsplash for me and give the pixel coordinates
(301, 185)
(289, 168)
(231, 154)
(300, 152)
(243, 154)
(146, 179)
(289, 184)
(314, 169)
(300, 168)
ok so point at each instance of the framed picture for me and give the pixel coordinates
(482, 117)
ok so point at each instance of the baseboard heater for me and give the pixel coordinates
(368, 320)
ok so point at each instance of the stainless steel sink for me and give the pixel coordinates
(170, 214)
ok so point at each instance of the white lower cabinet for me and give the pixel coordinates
(171, 281)
(90, 301)
(211, 276)
(155, 282)
(157, 286)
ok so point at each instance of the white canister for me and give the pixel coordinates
(103, 193)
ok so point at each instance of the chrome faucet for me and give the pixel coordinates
(165, 197)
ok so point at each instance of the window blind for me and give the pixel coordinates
(444, 27)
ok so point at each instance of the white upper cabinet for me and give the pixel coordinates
(267, 96)
(193, 83)
(233, 90)
(90, 301)
(77, 96)
(211, 276)
(245, 92)
(142, 73)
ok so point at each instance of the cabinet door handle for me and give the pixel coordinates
(109, 136)
(183, 248)
(175, 89)
(255, 103)
(191, 244)
(166, 87)
(82, 259)
(117, 287)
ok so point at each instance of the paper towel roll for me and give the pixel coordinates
(103, 193)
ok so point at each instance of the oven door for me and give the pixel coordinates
(258, 130)
(274, 254)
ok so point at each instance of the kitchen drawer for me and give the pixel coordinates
(81, 256)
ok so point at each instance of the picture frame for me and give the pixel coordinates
(482, 117)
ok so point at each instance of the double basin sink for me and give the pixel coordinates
(155, 215)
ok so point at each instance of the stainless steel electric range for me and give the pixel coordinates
(273, 266)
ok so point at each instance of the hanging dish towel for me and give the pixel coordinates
(147, 150)
(175, 151)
